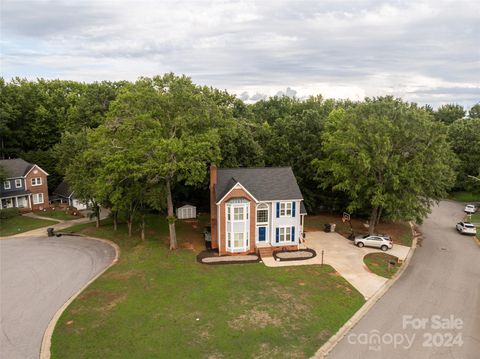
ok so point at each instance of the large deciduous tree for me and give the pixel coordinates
(449, 113)
(465, 139)
(388, 156)
(182, 138)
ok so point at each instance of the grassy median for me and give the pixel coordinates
(160, 304)
(381, 264)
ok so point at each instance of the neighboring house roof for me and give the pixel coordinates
(16, 167)
(63, 190)
(14, 193)
(265, 183)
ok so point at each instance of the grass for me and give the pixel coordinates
(399, 231)
(378, 263)
(155, 303)
(465, 196)
(59, 214)
(20, 224)
(475, 218)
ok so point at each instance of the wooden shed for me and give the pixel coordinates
(186, 211)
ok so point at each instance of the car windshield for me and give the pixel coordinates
(469, 225)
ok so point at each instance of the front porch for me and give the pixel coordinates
(18, 201)
(265, 249)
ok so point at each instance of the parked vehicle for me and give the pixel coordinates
(381, 241)
(466, 228)
(470, 209)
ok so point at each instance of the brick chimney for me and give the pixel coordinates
(213, 205)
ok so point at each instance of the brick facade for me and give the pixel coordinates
(35, 172)
(237, 193)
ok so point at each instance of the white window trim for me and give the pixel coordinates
(36, 197)
(18, 180)
(262, 208)
(285, 234)
(229, 227)
(7, 183)
(35, 179)
(286, 209)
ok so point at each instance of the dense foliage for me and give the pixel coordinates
(156, 136)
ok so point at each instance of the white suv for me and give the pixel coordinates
(470, 209)
(466, 228)
(377, 241)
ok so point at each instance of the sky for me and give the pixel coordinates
(423, 51)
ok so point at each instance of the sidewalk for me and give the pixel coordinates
(42, 232)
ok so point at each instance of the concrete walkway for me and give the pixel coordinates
(42, 232)
(345, 258)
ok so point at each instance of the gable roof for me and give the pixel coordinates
(63, 190)
(16, 167)
(264, 183)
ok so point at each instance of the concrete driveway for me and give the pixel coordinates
(37, 276)
(443, 280)
(345, 258)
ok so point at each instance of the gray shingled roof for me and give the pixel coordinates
(16, 167)
(267, 183)
(63, 190)
(303, 210)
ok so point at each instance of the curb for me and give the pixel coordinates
(47, 336)
(477, 240)
(340, 334)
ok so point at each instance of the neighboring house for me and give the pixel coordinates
(186, 211)
(63, 194)
(255, 209)
(26, 185)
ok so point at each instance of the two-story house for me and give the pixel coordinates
(255, 210)
(25, 186)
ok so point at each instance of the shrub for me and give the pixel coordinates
(8, 213)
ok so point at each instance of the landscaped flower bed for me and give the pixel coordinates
(301, 254)
(210, 257)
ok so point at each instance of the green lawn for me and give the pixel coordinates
(476, 218)
(160, 304)
(378, 263)
(57, 214)
(465, 196)
(21, 224)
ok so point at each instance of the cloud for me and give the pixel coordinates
(425, 51)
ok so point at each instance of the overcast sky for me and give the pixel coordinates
(423, 51)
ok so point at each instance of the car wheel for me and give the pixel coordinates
(384, 248)
(360, 244)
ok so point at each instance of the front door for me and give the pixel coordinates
(262, 234)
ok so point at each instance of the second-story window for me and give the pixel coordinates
(37, 181)
(18, 183)
(286, 209)
(6, 184)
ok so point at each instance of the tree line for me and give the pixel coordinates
(139, 146)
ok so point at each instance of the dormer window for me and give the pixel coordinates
(18, 183)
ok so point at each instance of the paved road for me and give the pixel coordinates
(38, 275)
(443, 280)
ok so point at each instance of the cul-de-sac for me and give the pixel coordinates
(239, 179)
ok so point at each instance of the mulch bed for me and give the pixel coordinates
(296, 255)
(212, 258)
